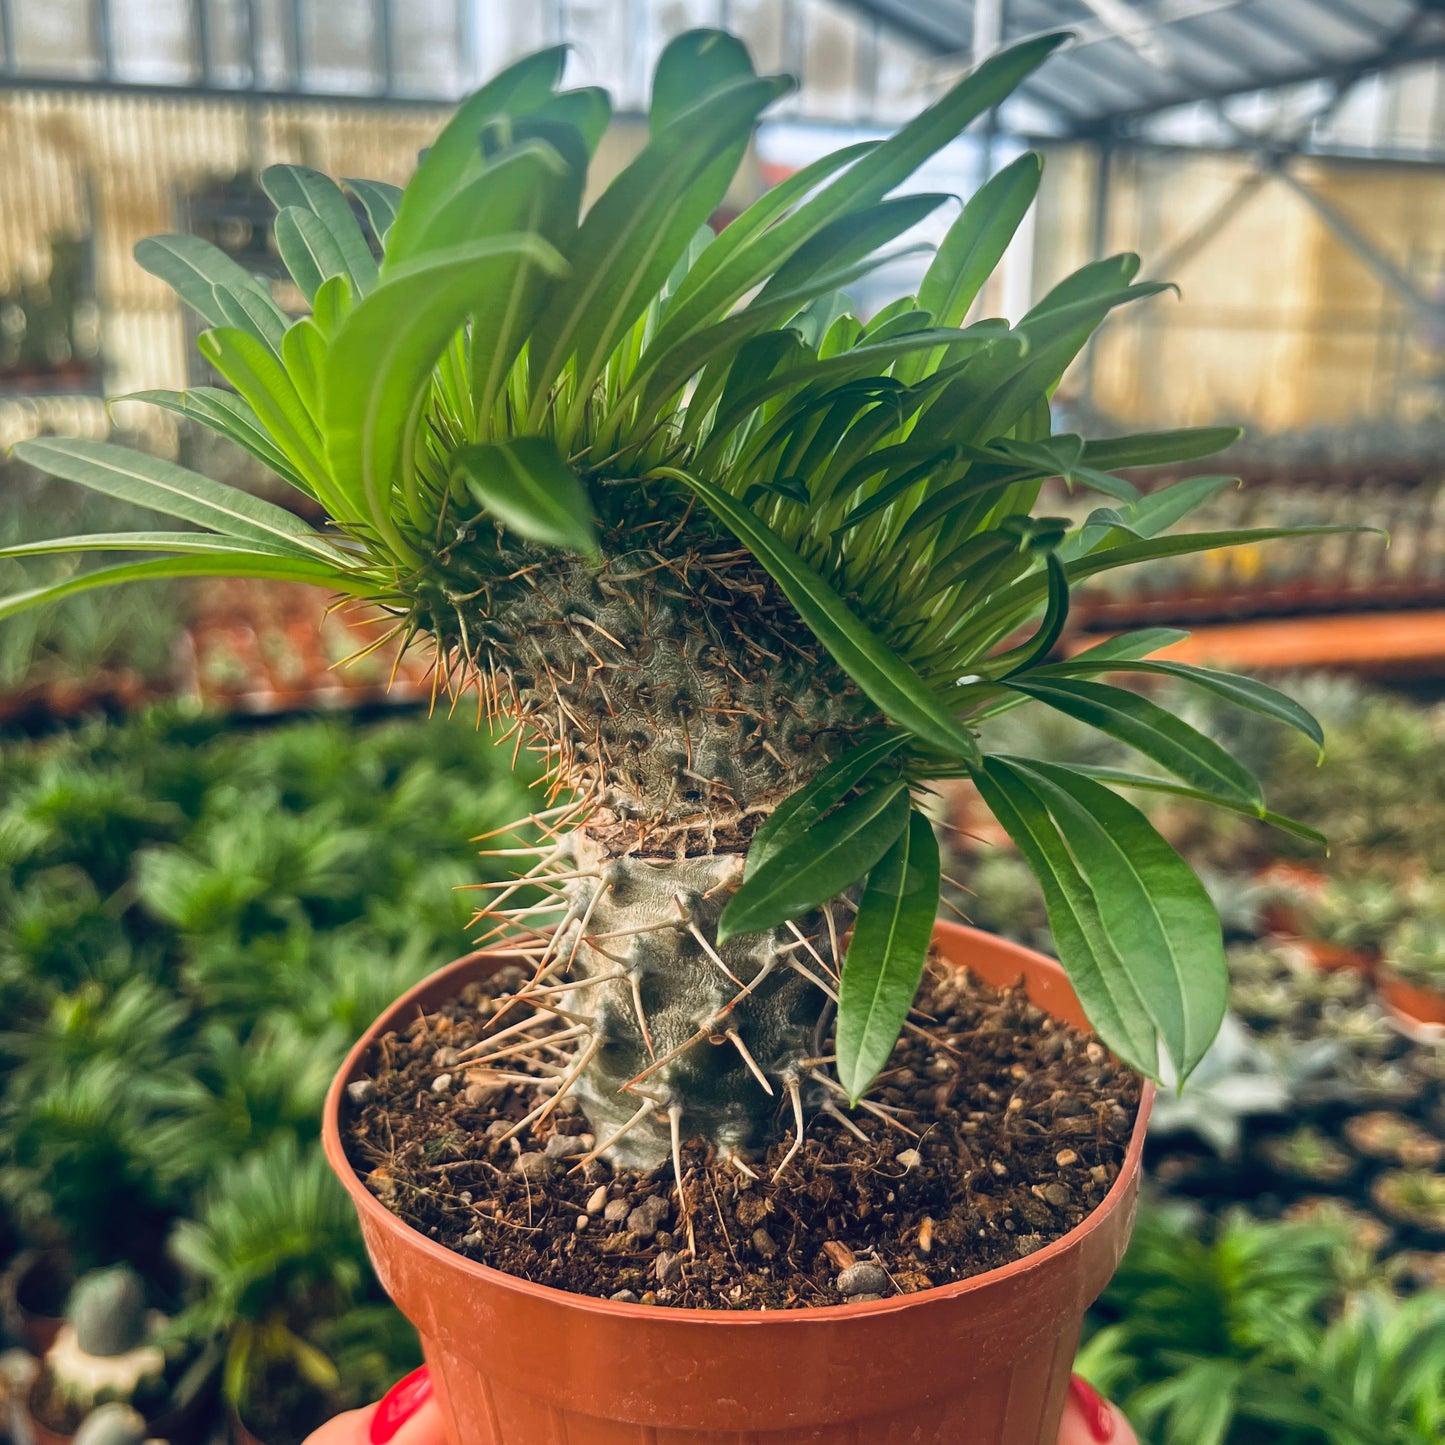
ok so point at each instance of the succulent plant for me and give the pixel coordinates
(112, 1424)
(108, 1310)
(1308, 1153)
(1412, 1196)
(1415, 951)
(746, 570)
(103, 1352)
(1382, 1134)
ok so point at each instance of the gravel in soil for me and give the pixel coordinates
(1004, 1128)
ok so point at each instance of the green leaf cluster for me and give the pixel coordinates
(518, 378)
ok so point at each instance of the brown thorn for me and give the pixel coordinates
(564, 1085)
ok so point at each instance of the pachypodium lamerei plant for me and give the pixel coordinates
(747, 569)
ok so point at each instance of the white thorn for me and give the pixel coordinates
(737, 1042)
(649, 1106)
(635, 984)
(845, 1121)
(795, 1097)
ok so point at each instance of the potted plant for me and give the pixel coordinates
(748, 572)
(1412, 974)
(106, 1352)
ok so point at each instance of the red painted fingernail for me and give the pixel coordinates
(399, 1404)
(1093, 1407)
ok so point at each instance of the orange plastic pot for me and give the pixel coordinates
(1419, 1005)
(985, 1361)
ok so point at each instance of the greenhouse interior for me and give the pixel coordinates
(764, 762)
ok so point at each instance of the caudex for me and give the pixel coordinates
(746, 570)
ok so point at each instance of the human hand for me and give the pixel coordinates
(409, 1416)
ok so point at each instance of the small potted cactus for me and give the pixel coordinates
(112, 1424)
(105, 1352)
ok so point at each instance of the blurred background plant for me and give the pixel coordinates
(197, 920)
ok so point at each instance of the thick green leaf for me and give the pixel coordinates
(1020, 659)
(972, 249)
(230, 564)
(308, 249)
(379, 200)
(1152, 730)
(1147, 517)
(1122, 778)
(193, 268)
(876, 667)
(852, 238)
(800, 810)
(230, 416)
(1131, 645)
(161, 486)
(1156, 913)
(1246, 692)
(1149, 449)
(885, 958)
(146, 542)
(310, 191)
(303, 352)
(977, 240)
(518, 90)
(331, 306)
(633, 235)
(829, 857)
(727, 273)
(381, 362)
(528, 486)
(694, 64)
(269, 389)
(1103, 981)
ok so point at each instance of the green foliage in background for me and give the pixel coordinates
(1245, 1333)
(194, 924)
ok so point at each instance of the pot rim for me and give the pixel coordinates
(370, 1207)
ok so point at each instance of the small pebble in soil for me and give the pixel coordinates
(866, 1298)
(441, 1083)
(1065, 1157)
(623, 1297)
(359, 1091)
(862, 1278)
(446, 1058)
(533, 1166)
(909, 1158)
(647, 1218)
(764, 1243)
(616, 1211)
(582, 1223)
(597, 1200)
(668, 1268)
